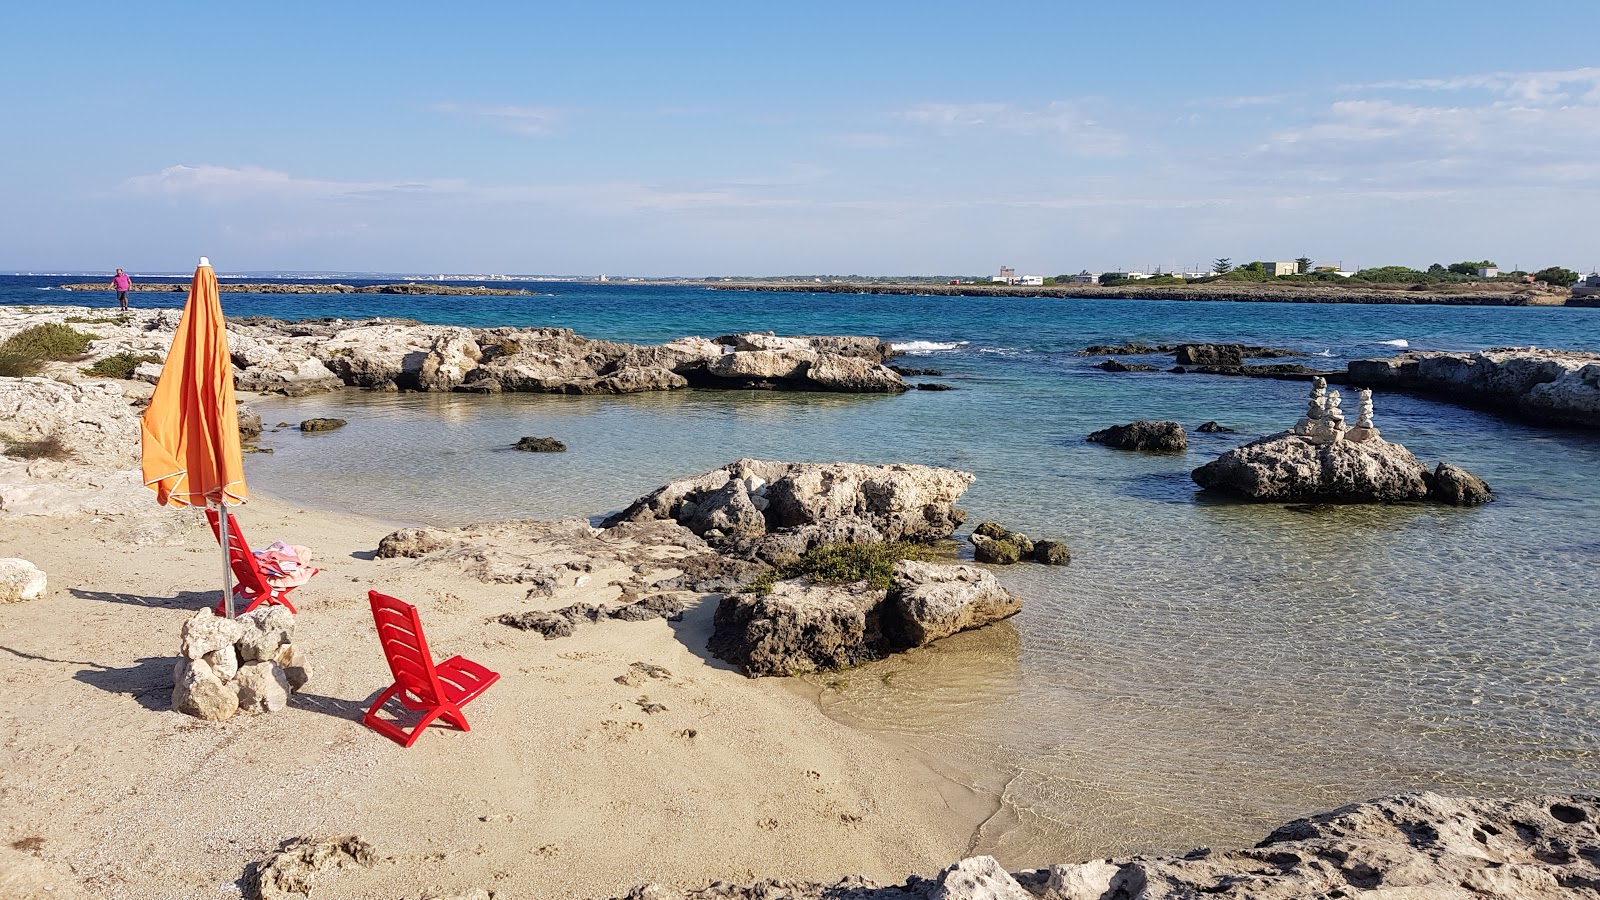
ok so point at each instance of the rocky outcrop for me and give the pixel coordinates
(1457, 487)
(1547, 386)
(737, 506)
(1154, 437)
(94, 420)
(20, 580)
(1117, 365)
(802, 626)
(314, 425)
(539, 445)
(294, 870)
(1288, 467)
(1407, 846)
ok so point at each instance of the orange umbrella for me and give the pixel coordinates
(190, 431)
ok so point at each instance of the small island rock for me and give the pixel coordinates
(540, 445)
(1288, 467)
(1456, 486)
(1052, 553)
(1155, 437)
(310, 425)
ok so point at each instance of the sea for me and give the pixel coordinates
(1203, 670)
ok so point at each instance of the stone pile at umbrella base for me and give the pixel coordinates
(247, 664)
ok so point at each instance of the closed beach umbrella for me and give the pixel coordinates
(189, 434)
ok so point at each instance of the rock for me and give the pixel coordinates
(224, 663)
(540, 445)
(249, 421)
(1458, 487)
(1125, 349)
(1052, 553)
(92, 419)
(1209, 355)
(977, 878)
(762, 365)
(206, 633)
(787, 545)
(799, 627)
(833, 372)
(322, 424)
(295, 667)
(1001, 533)
(902, 502)
(655, 606)
(933, 386)
(995, 551)
(1214, 428)
(909, 371)
(548, 624)
(932, 601)
(1117, 365)
(413, 542)
(1157, 437)
(713, 573)
(20, 580)
(263, 687)
(198, 692)
(1285, 467)
(292, 873)
(262, 631)
(1548, 386)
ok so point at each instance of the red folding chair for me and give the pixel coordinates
(435, 691)
(250, 588)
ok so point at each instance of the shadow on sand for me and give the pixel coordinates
(182, 600)
(148, 681)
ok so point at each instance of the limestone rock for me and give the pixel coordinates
(1117, 365)
(1157, 437)
(977, 878)
(1549, 386)
(262, 631)
(93, 419)
(1458, 487)
(799, 627)
(322, 424)
(249, 421)
(20, 580)
(934, 601)
(1209, 355)
(263, 687)
(1287, 467)
(198, 692)
(205, 633)
(994, 551)
(1001, 533)
(1214, 428)
(902, 502)
(762, 365)
(296, 668)
(413, 542)
(787, 545)
(291, 874)
(833, 372)
(224, 663)
(548, 624)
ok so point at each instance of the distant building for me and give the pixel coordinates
(1125, 276)
(1283, 268)
(1488, 272)
(1589, 287)
(1086, 278)
(1031, 281)
(1007, 275)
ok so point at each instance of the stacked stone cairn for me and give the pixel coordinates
(1324, 419)
(247, 664)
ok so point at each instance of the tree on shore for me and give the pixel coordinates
(1302, 264)
(1556, 275)
(1222, 266)
(1469, 267)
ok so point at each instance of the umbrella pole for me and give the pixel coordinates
(227, 561)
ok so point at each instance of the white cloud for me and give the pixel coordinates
(212, 182)
(529, 121)
(1067, 121)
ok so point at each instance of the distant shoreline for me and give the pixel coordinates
(1246, 292)
(279, 287)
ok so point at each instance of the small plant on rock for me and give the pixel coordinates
(120, 365)
(844, 564)
(48, 447)
(49, 341)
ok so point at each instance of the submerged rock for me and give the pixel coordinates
(1052, 553)
(539, 445)
(1457, 487)
(1155, 437)
(322, 424)
(1117, 365)
(1214, 428)
(1287, 467)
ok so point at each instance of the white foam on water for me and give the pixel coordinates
(1400, 342)
(927, 346)
(1324, 353)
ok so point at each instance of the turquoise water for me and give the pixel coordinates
(1203, 670)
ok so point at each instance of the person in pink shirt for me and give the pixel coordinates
(121, 283)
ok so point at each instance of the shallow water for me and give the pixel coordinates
(1203, 670)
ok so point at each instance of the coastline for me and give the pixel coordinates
(564, 787)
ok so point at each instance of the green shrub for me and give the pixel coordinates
(120, 365)
(49, 447)
(19, 365)
(844, 564)
(122, 319)
(49, 340)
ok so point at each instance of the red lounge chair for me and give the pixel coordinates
(421, 686)
(250, 588)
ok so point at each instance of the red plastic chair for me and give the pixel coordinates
(250, 588)
(435, 691)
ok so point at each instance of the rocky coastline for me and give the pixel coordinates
(312, 287)
(1549, 387)
(1238, 292)
(313, 356)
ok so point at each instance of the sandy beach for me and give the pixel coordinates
(564, 786)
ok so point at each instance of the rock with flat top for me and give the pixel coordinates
(20, 580)
(311, 425)
(799, 627)
(933, 600)
(1285, 467)
(1152, 437)
(1458, 487)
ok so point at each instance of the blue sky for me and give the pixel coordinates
(873, 138)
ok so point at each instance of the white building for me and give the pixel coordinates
(1031, 281)
(1488, 272)
(1086, 278)
(1283, 268)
